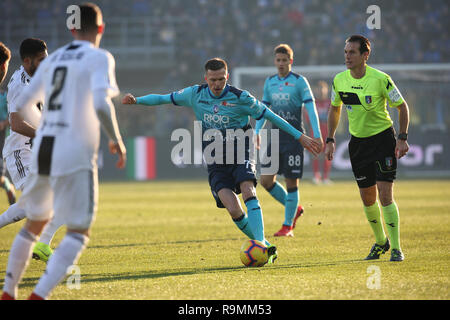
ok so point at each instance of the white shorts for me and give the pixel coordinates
(18, 164)
(73, 198)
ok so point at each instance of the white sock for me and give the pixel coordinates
(18, 260)
(50, 230)
(65, 255)
(13, 214)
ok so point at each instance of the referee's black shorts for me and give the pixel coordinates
(373, 158)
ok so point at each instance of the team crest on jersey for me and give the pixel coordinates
(280, 87)
(215, 108)
(368, 99)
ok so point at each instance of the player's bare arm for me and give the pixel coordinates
(402, 146)
(106, 114)
(19, 125)
(333, 121)
(119, 149)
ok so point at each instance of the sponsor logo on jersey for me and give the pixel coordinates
(280, 96)
(357, 87)
(287, 84)
(216, 118)
(280, 99)
(227, 104)
(349, 108)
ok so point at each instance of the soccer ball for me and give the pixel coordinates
(254, 253)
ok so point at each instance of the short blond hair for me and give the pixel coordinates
(284, 48)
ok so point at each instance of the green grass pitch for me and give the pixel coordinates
(167, 240)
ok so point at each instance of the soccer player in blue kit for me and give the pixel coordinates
(223, 107)
(285, 93)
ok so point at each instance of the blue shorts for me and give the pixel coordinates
(230, 176)
(290, 160)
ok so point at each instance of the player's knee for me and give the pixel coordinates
(82, 237)
(235, 212)
(386, 199)
(385, 193)
(85, 232)
(267, 183)
(35, 227)
(291, 183)
(368, 195)
(248, 190)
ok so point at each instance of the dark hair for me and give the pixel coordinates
(90, 17)
(284, 48)
(364, 43)
(30, 47)
(215, 64)
(5, 54)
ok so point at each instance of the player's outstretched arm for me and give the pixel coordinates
(312, 145)
(308, 143)
(148, 100)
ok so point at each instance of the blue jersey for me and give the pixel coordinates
(231, 110)
(286, 96)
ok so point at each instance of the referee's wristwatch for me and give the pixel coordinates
(403, 136)
(330, 140)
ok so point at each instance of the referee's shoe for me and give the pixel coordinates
(378, 250)
(397, 255)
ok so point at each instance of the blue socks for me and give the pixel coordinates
(255, 218)
(243, 224)
(290, 207)
(278, 192)
(289, 199)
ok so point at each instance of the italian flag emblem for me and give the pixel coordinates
(141, 158)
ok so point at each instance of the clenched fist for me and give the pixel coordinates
(129, 99)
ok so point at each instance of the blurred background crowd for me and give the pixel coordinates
(161, 46)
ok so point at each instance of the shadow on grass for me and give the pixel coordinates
(193, 241)
(156, 274)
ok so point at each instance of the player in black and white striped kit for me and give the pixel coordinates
(17, 148)
(76, 83)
